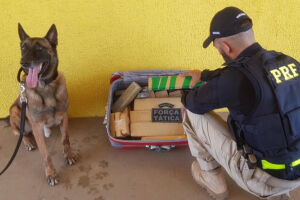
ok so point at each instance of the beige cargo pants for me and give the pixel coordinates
(212, 144)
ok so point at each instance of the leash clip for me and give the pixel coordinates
(22, 91)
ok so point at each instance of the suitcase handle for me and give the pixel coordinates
(160, 148)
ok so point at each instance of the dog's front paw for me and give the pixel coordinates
(52, 180)
(71, 158)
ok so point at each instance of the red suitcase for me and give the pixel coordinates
(121, 80)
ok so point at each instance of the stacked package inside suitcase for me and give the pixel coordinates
(144, 110)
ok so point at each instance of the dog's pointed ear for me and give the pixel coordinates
(22, 34)
(51, 36)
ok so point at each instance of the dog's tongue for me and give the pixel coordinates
(32, 77)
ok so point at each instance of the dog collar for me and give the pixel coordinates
(52, 78)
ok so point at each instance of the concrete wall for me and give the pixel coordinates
(97, 38)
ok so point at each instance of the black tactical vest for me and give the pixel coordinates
(272, 129)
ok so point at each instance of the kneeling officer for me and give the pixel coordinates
(259, 147)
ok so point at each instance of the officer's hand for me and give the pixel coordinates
(195, 74)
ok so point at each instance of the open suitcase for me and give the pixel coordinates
(121, 80)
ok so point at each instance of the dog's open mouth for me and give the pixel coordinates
(32, 78)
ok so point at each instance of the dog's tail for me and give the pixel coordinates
(6, 120)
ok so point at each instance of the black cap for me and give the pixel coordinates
(227, 22)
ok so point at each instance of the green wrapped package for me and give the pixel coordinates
(170, 83)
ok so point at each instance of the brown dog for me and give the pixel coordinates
(47, 97)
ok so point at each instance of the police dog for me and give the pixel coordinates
(47, 98)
